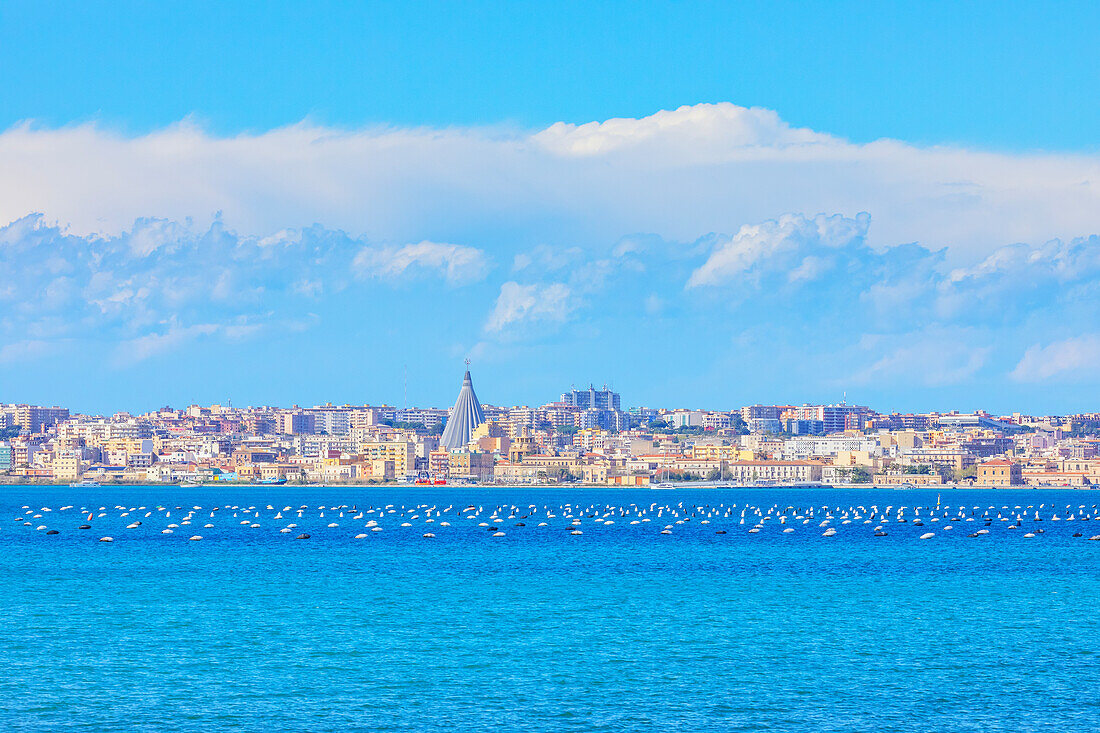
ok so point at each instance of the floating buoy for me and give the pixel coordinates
(302, 536)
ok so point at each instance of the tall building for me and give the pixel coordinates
(592, 398)
(34, 418)
(465, 416)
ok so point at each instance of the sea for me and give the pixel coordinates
(618, 628)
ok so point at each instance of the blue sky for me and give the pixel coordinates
(702, 204)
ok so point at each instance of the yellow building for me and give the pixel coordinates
(402, 453)
(66, 467)
(710, 452)
(1000, 472)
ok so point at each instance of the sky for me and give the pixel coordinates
(699, 204)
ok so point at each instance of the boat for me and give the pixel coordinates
(86, 484)
(662, 486)
(271, 482)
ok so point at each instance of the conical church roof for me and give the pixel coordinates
(465, 416)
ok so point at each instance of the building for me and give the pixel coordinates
(805, 427)
(430, 418)
(1000, 472)
(298, 423)
(66, 467)
(465, 417)
(592, 399)
(330, 420)
(33, 418)
(5, 457)
(781, 471)
(401, 452)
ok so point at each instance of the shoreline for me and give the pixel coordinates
(445, 487)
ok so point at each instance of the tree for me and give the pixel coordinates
(860, 475)
(10, 432)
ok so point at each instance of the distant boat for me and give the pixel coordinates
(271, 482)
(662, 486)
(86, 484)
(189, 484)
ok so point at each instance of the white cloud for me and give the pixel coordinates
(523, 305)
(1071, 357)
(932, 358)
(123, 288)
(25, 350)
(458, 264)
(547, 259)
(699, 130)
(793, 244)
(677, 174)
(144, 347)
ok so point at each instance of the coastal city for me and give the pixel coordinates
(583, 437)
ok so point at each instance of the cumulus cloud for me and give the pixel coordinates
(458, 264)
(159, 284)
(694, 131)
(794, 246)
(1074, 357)
(525, 305)
(547, 259)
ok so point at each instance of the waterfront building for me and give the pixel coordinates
(401, 452)
(1000, 472)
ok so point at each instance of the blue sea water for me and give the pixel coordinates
(618, 629)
